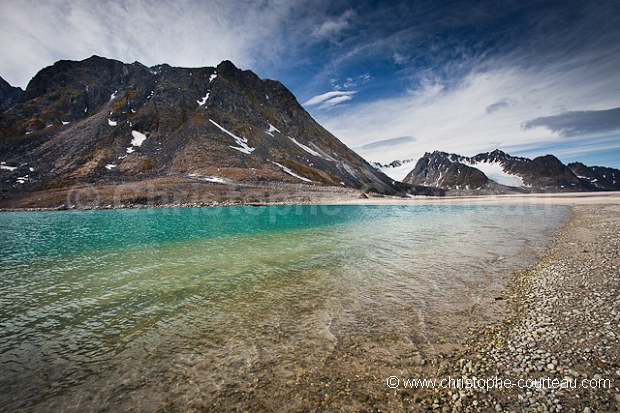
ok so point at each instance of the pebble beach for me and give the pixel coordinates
(559, 350)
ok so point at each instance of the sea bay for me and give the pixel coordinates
(181, 309)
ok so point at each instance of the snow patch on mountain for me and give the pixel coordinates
(495, 172)
(305, 148)
(291, 173)
(202, 101)
(5, 167)
(137, 141)
(138, 138)
(272, 129)
(242, 142)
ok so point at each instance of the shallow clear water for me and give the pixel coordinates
(188, 308)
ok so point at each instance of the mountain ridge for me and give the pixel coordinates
(103, 121)
(498, 172)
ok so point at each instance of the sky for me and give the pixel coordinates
(391, 79)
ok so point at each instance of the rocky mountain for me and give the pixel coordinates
(101, 121)
(8, 92)
(599, 177)
(443, 170)
(498, 172)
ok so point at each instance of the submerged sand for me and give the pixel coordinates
(558, 350)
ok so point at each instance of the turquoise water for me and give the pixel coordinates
(182, 309)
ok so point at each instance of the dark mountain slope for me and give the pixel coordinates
(103, 121)
(599, 177)
(8, 92)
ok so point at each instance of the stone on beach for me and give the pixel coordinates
(565, 327)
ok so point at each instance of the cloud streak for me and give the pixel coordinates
(576, 123)
(388, 142)
(497, 106)
(330, 99)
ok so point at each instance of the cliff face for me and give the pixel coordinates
(104, 121)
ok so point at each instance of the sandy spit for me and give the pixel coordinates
(584, 198)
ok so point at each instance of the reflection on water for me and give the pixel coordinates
(256, 308)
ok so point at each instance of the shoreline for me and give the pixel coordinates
(560, 199)
(324, 196)
(565, 326)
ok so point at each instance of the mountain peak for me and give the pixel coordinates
(100, 120)
(8, 92)
(227, 66)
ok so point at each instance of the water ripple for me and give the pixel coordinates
(114, 309)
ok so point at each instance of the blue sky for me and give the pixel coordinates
(391, 79)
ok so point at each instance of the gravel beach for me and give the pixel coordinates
(559, 351)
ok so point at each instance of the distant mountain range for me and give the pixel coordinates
(498, 172)
(397, 169)
(101, 121)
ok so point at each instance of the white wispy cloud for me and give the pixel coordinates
(334, 27)
(330, 99)
(352, 82)
(190, 33)
(487, 110)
